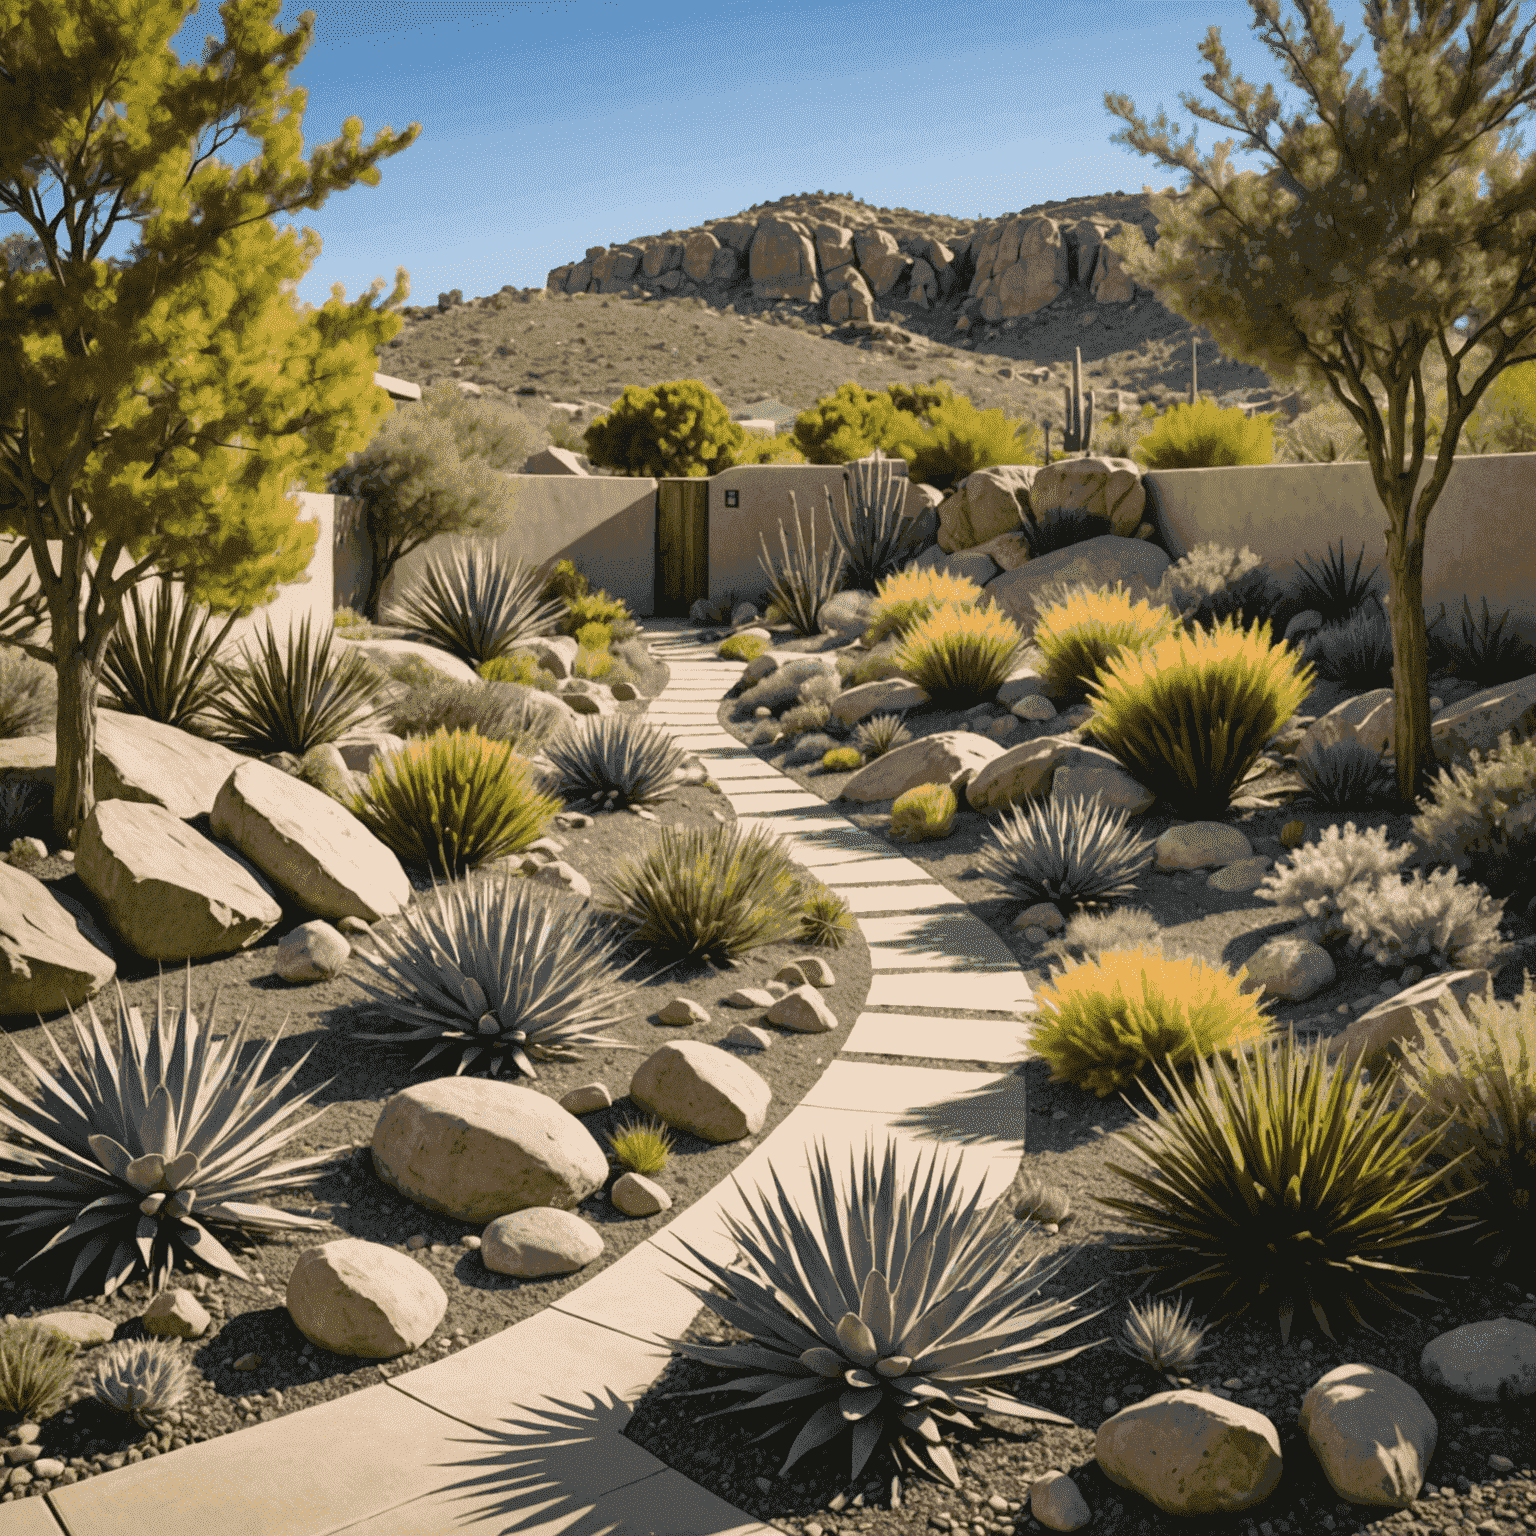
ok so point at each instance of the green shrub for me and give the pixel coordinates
(320, 771)
(1103, 1022)
(28, 694)
(1286, 1182)
(521, 668)
(505, 712)
(564, 583)
(1486, 655)
(909, 596)
(873, 667)
(961, 655)
(1331, 590)
(804, 717)
(346, 618)
(822, 688)
(1345, 774)
(595, 636)
(1078, 635)
(641, 1148)
(1202, 436)
(1452, 927)
(825, 919)
(453, 801)
(852, 422)
(741, 647)
(715, 891)
(803, 581)
(842, 760)
(925, 812)
(962, 440)
(760, 449)
(679, 428)
(599, 608)
(1358, 652)
(592, 665)
(1213, 582)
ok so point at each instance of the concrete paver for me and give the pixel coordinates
(998, 1039)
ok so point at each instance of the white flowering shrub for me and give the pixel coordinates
(1317, 877)
(1449, 926)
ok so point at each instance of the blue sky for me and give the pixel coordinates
(549, 127)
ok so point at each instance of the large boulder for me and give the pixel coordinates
(1136, 564)
(1191, 1453)
(847, 614)
(475, 1148)
(166, 890)
(309, 846)
(1099, 486)
(1030, 771)
(887, 695)
(948, 757)
(701, 1089)
(782, 262)
(985, 504)
(1493, 1361)
(1372, 1434)
(971, 564)
(387, 653)
(47, 963)
(363, 1300)
(1376, 1037)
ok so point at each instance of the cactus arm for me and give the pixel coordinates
(1078, 430)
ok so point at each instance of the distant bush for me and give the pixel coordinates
(852, 422)
(1202, 436)
(680, 428)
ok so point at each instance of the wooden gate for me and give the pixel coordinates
(682, 545)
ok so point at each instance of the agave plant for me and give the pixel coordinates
(1486, 655)
(474, 606)
(1076, 853)
(621, 755)
(877, 735)
(503, 969)
(805, 581)
(871, 531)
(117, 1158)
(142, 1379)
(1358, 652)
(290, 702)
(1330, 590)
(1344, 774)
(1163, 1335)
(162, 667)
(894, 1317)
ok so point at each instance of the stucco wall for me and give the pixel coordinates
(1480, 540)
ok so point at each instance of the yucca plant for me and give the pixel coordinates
(961, 655)
(912, 594)
(1104, 1021)
(1285, 1181)
(1344, 774)
(621, 755)
(709, 891)
(1078, 634)
(294, 699)
(160, 666)
(1486, 655)
(874, 537)
(452, 801)
(1189, 715)
(117, 1157)
(805, 580)
(877, 735)
(475, 606)
(891, 1315)
(1164, 1336)
(825, 919)
(37, 1369)
(1074, 852)
(142, 1379)
(499, 969)
(1358, 652)
(1330, 590)
(642, 1148)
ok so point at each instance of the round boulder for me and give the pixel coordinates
(363, 1300)
(539, 1241)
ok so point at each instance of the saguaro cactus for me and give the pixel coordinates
(1194, 370)
(1079, 424)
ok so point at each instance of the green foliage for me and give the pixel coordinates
(1482, 817)
(475, 606)
(757, 448)
(961, 655)
(1315, 877)
(680, 428)
(505, 712)
(141, 1379)
(564, 582)
(28, 694)
(853, 421)
(293, 699)
(453, 801)
(1201, 436)
(877, 735)
(1103, 1022)
(598, 608)
(1189, 715)
(621, 755)
(821, 688)
(1075, 853)
(1287, 1182)
(1090, 932)
(642, 1148)
(159, 668)
(1472, 1075)
(499, 969)
(906, 597)
(842, 760)
(804, 580)
(37, 1369)
(594, 636)
(437, 467)
(1163, 1336)
(852, 1328)
(874, 537)
(160, 1178)
(741, 647)
(1046, 532)
(518, 667)
(1452, 927)
(801, 718)
(962, 440)
(825, 919)
(1358, 652)
(592, 664)
(345, 618)
(923, 813)
(716, 891)
(1078, 634)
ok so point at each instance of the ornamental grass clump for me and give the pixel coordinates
(709, 891)
(451, 802)
(883, 1315)
(1189, 715)
(37, 1369)
(1163, 1335)
(642, 1149)
(825, 919)
(1079, 633)
(1103, 1022)
(923, 813)
(1344, 774)
(1287, 1181)
(497, 970)
(961, 656)
(877, 735)
(904, 598)
(1076, 853)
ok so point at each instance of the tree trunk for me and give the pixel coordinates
(1413, 746)
(74, 785)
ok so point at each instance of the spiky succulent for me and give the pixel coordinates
(1358, 652)
(142, 1379)
(622, 755)
(502, 969)
(1074, 852)
(1163, 1335)
(117, 1157)
(1343, 774)
(879, 734)
(37, 1365)
(892, 1318)
(1329, 589)
(1038, 1201)
(826, 919)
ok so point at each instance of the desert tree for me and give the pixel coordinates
(439, 467)
(1365, 242)
(167, 406)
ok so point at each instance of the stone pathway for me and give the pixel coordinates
(524, 1430)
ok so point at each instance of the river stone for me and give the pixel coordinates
(539, 1241)
(364, 1300)
(1372, 1434)
(699, 1088)
(1488, 1362)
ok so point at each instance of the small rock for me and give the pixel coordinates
(749, 997)
(313, 951)
(817, 971)
(636, 1195)
(1057, 1503)
(776, 989)
(586, 1099)
(791, 975)
(47, 1468)
(683, 1010)
(804, 1011)
(354, 927)
(539, 1241)
(175, 1314)
(1043, 914)
(26, 851)
(561, 874)
(745, 1034)
(1498, 1463)
(248, 1363)
(1242, 875)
